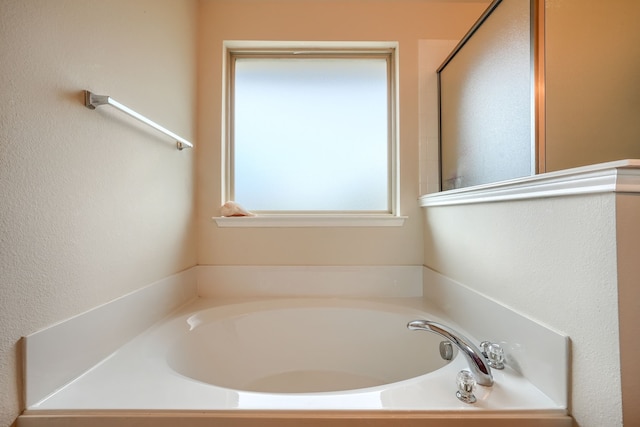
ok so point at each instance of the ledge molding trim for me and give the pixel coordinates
(619, 177)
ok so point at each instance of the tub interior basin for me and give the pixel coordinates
(269, 347)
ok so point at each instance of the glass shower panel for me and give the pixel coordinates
(486, 102)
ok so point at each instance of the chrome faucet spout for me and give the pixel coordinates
(477, 363)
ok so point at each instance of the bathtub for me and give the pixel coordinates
(301, 354)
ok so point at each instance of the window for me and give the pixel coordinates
(311, 131)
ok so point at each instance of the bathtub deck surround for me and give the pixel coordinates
(167, 367)
(59, 354)
(138, 376)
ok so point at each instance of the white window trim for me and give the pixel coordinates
(315, 219)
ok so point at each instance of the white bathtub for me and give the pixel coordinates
(302, 346)
(290, 354)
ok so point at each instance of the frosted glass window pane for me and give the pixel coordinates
(311, 134)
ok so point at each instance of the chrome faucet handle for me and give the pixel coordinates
(466, 385)
(493, 353)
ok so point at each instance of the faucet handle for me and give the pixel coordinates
(493, 353)
(446, 350)
(466, 385)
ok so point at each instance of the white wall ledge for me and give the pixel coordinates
(621, 176)
(319, 220)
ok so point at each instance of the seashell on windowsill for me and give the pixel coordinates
(234, 209)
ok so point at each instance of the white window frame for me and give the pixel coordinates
(312, 219)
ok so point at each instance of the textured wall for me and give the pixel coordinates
(553, 260)
(93, 204)
(405, 21)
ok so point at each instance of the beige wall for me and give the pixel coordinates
(628, 234)
(592, 85)
(553, 260)
(93, 204)
(405, 21)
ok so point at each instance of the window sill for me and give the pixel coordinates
(270, 221)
